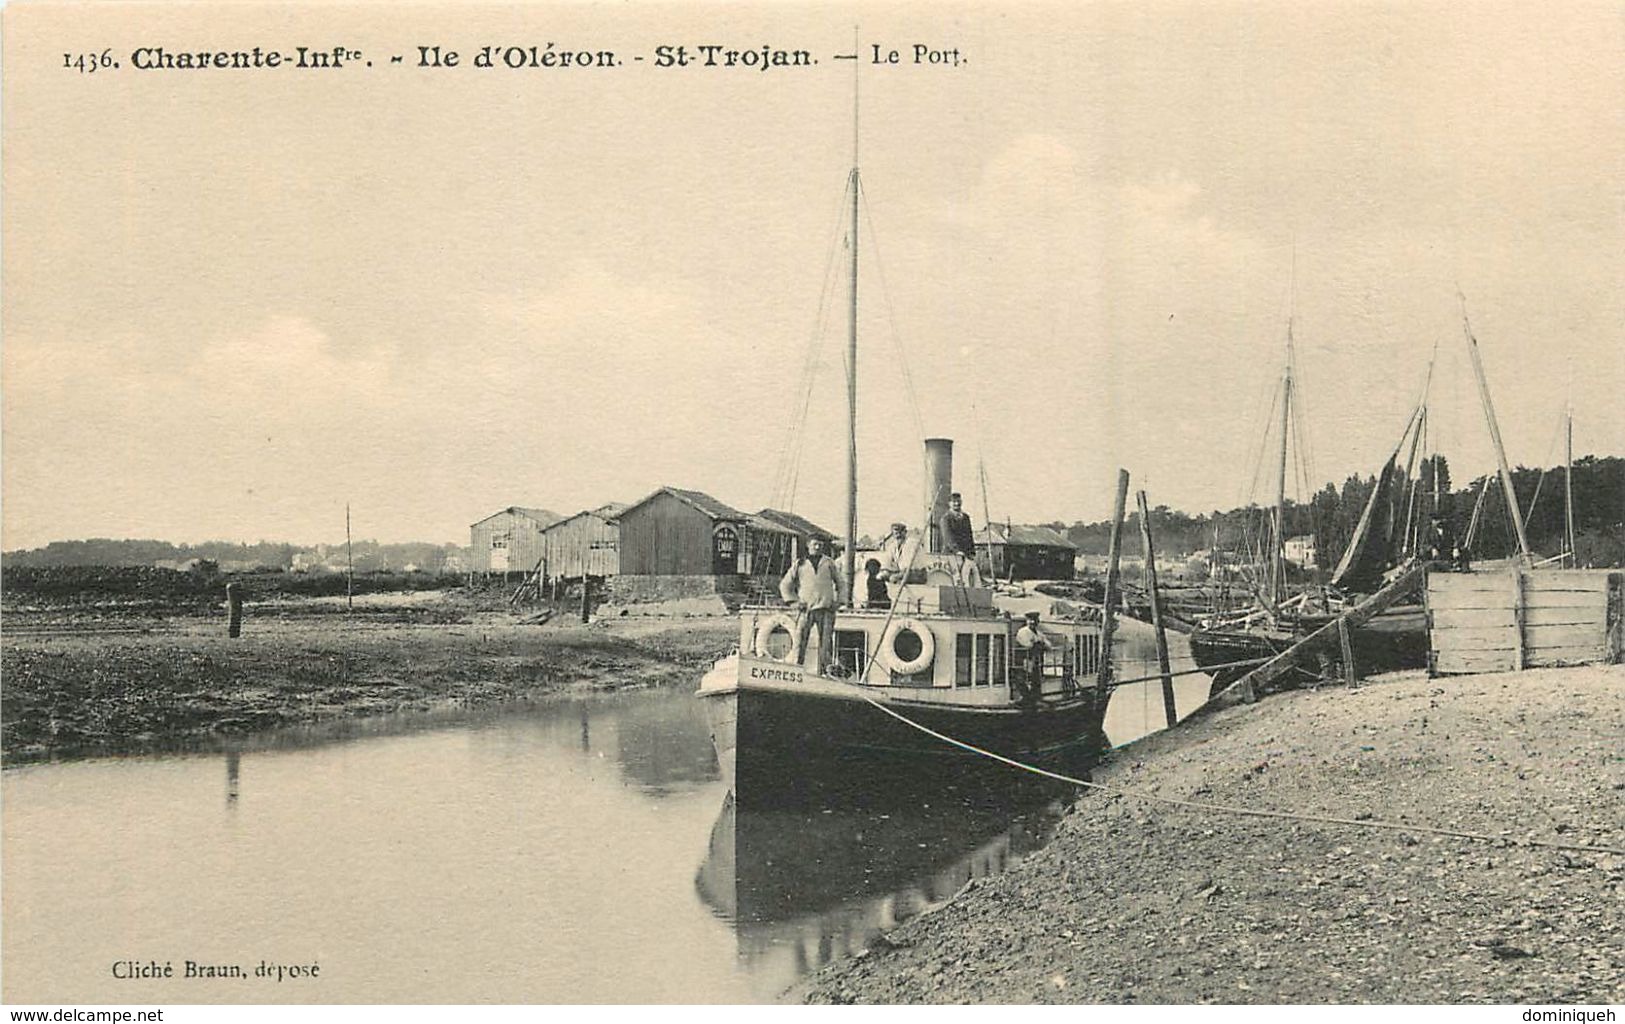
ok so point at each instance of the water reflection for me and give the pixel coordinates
(570, 851)
(804, 888)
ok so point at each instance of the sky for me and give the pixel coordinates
(236, 301)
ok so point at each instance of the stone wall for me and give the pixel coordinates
(627, 590)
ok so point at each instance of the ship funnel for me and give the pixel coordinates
(939, 483)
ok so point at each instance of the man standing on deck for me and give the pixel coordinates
(1030, 639)
(959, 540)
(813, 585)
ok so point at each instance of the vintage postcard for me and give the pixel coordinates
(558, 503)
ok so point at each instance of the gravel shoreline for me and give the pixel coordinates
(1137, 902)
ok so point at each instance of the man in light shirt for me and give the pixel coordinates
(813, 585)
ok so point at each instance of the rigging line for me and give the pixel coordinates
(1306, 456)
(1478, 511)
(891, 317)
(1551, 451)
(790, 448)
(1263, 442)
(797, 437)
(810, 361)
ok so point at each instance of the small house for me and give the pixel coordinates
(1024, 552)
(510, 540)
(1300, 551)
(585, 544)
(680, 534)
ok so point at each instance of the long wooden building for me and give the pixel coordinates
(509, 540)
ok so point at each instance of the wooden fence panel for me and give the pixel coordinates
(1504, 620)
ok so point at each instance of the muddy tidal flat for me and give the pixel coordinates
(1138, 902)
(87, 683)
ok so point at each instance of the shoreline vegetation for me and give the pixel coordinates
(1138, 902)
(87, 681)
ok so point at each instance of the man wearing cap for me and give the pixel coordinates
(813, 585)
(1033, 644)
(959, 540)
(897, 553)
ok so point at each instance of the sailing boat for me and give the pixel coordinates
(942, 661)
(1230, 646)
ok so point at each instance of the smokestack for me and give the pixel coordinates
(939, 483)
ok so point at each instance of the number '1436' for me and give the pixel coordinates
(89, 63)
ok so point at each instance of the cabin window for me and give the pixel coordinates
(1000, 665)
(852, 652)
(984, 644)
(499, 540)
(963, 645)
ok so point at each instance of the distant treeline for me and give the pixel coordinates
(369, 556)
(1334, 512)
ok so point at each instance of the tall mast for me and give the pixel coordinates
(1495, 433)
(1278, 557)
(1568, 490)
(849, 558)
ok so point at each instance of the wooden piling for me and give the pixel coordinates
(1168, 708)
(1104, 678)
(1347, 645)
(234, 610)
(586, 598)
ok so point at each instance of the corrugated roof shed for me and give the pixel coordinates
(700, 500)
(794, 523)
(542, 516)
(545, 516)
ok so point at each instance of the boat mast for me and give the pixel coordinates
(849, 557)
(1568, 490)
(1495, 433)
(1278, 556)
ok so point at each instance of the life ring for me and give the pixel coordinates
(764, 633)
(896, 664)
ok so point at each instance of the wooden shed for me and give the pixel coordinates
(1509, 619)
(674, 532)
(585, 544)
(1024, 552)
(510, 540)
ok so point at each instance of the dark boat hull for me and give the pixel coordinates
(783, 745)
(1395, 639)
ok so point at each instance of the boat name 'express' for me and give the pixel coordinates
(783, 675)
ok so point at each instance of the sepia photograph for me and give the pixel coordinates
(784, 503)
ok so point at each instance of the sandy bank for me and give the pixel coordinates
(1136, 902)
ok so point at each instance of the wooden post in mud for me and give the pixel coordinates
(1348, 652)
(1150, 581)
(586, 597)
(349, 564)
(1114, 552)
(234, 610)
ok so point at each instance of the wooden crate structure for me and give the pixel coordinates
(1511, 619)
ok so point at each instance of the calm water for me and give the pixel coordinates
(578, 852)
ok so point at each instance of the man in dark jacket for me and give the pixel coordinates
(958, 539)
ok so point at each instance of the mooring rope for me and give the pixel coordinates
(1254, 812)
